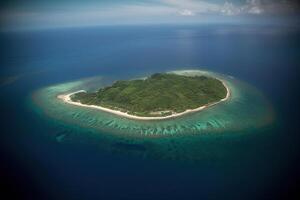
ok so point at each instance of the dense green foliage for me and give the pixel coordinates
(160, 92)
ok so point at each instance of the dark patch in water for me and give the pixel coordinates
(209, 125)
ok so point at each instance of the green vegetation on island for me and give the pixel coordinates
(161, 94)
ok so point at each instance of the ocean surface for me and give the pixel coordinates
(46, 157)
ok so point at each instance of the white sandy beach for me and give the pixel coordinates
(67, 99)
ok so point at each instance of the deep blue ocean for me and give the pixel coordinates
(34, 165)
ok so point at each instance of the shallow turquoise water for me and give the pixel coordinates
(246, 110)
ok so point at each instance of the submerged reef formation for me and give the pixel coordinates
(245, 108)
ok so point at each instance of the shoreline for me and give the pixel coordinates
(67, 99)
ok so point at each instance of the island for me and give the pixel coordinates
(159, 96)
